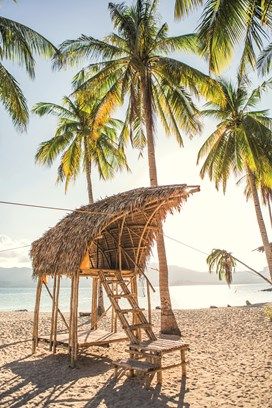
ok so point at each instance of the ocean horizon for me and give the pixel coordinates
(183, 297)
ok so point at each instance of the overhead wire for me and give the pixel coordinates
(82, 211)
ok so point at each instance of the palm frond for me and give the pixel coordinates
(13, 99)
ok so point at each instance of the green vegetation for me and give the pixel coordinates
(134, 62)
(241, 143)
(226, 26)
(223, 263)
(134, 67)
(18, 44)
(81, 143)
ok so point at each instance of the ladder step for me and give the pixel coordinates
(124, 311)
(116, 281)
(121, 295)
(140, 326)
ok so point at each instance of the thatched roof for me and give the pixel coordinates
(95, 228)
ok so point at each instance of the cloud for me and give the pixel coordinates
(17, 257)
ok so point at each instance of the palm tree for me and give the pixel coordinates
(226, 24)
(224, 263)
(82, 146)
(18, 44)
(241, 143)
(133, 63)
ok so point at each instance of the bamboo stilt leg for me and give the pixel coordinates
(36, 316)
(74, 344)
(94, 303)
(53, 313)
(59, 312)
(112, 313)
(148, 303)
(115, 314)
(71, 314)
(55, 327)
(183, 363)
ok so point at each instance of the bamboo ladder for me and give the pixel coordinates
(129, 328)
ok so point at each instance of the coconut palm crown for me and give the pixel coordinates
(226, 24)
(223, 263)
(18, 44)
(77, 143)
(241, 144)
(243, 138)
(135, 57)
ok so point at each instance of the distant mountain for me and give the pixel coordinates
(22, 277)
(16, 277)
(183, 276)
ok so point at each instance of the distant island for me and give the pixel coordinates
(22, 277)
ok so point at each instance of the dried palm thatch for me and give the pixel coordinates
(129, 221)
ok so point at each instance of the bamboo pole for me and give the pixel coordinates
(53, 313)
(148, 302)
(36, 315)
(71, 316)
(74, 311)
(94, 303)
(59, 312)
(55, 327)
(76, 317)
(115, 314)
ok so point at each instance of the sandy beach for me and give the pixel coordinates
(230, 366)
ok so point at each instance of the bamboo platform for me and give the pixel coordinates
(87, 339)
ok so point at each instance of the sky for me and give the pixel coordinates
(208, 220)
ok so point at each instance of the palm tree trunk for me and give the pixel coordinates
(88, 171)
(266, 244)
(168, 320)
(269, 209)
(89, 181)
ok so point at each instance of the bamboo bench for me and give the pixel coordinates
(152, 351)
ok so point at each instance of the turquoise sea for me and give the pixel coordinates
(183, 297)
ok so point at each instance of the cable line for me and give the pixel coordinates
(55, 208)
(13, 249)
(86, 212)
(188, 246)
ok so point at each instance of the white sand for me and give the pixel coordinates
(230, 366)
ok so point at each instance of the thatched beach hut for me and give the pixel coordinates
(109, 241)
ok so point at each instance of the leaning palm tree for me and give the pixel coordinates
(224, 25)
(18, 44)
(224, 263)
(134, 63)
(82, 146)
(241, 143)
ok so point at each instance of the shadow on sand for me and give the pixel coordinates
(114, 395)
(53, 388)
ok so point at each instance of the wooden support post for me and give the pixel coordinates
(112, 311)
(94, 303)
(134, 291)
(55, 327)
(115, 314)
(183, 362)
(158, 362)
(59, 312)
(71, 314)
(148, 303)
(36, 316)
(74, 313)
(53, 313)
